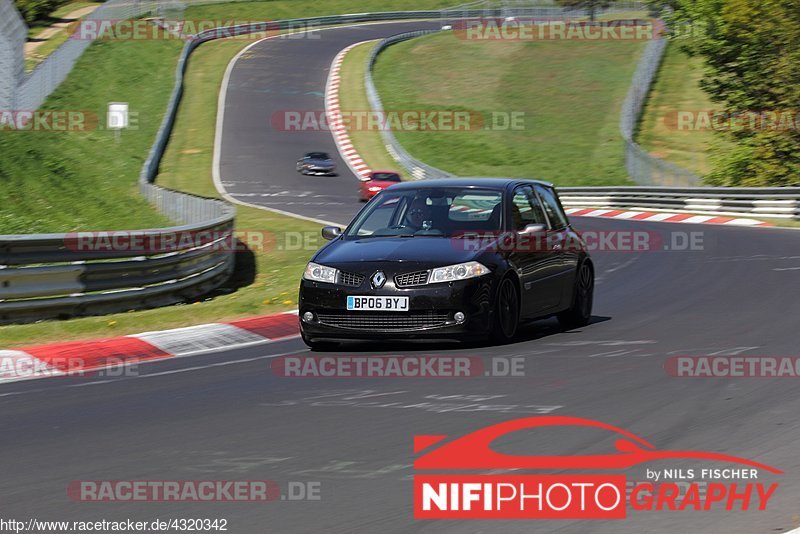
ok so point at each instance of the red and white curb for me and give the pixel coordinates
(334, 115)
(663, 217)
(78, 357)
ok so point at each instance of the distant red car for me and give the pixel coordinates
(377, 182)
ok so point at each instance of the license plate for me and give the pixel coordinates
(395, 304)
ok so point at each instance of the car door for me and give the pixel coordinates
(565, 254)
(530, 256)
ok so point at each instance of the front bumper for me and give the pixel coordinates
(430, 316)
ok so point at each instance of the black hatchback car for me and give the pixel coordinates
(455, 258)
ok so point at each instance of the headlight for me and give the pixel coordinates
(461, 271)
(320, 273)
(374, 189)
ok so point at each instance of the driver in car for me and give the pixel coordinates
(419, 215)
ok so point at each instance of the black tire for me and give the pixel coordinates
(506, 316)
(319, 346)
(580, 312)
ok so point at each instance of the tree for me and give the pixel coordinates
(34, 10)
(751, 50)
(593, 6)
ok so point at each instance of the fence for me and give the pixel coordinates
(12, 62)
(643, 168)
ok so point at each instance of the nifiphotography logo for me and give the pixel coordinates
(579, 495)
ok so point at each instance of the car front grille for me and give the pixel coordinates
(393, 322)
(411, 279)
(350, 279)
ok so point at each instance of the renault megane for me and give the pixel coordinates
(455, 258)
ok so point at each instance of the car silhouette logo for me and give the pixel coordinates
(473, 451)
(378, 279)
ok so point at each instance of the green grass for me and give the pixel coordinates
(677, 89)
(69, 181)
(288, 9)
(187, 166)
(569, 91)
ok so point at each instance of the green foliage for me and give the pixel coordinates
(751, 50)
(33, 10)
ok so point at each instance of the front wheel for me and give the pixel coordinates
(580, 313)
(506, 316)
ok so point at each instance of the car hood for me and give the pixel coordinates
(424, 252)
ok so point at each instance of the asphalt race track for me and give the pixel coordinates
(227, 416)
(257, 160)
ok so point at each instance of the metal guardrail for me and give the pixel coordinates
(417, 169)
(769, 202)
(49, 276)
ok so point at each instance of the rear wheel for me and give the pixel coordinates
(506, 317)
(580, 313)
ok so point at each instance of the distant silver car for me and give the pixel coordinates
(316, 163)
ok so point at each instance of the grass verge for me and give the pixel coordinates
(63, 181)
(677, 89)
(281, 245)
(569, 91)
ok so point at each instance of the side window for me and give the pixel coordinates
(525, 209)
(551, 205)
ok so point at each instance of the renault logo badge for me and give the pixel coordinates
(378, 279)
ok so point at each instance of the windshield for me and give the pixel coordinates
(432, 212)
(317, 155)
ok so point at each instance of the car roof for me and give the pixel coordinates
(486, 183)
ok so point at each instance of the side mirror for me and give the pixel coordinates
(331, 232)
(534, 229)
